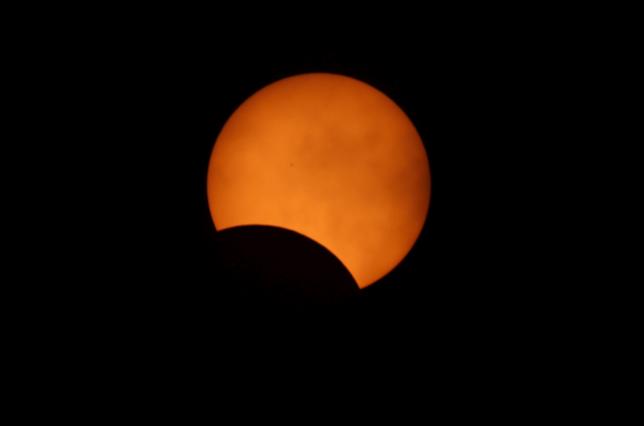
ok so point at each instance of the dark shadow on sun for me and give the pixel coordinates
(270, 265)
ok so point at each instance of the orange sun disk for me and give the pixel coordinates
(329, 157)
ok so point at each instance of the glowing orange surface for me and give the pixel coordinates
(329, 157)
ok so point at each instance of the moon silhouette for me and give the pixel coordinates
(328, 157)
(270, 265)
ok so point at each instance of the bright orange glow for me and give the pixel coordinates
(329, 157)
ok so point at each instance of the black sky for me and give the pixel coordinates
(119, 273)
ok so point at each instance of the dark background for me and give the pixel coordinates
(123, 109)
(118, 240)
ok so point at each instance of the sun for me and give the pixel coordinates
(329, 157)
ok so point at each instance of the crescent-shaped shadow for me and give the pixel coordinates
(271, 265)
